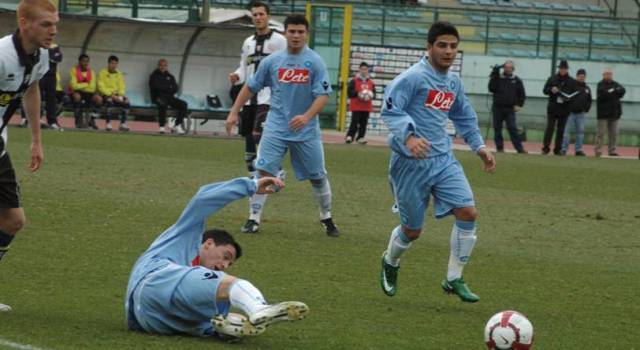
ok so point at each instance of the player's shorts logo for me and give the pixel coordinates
(293, 76)
(5, 98)
(440, 100)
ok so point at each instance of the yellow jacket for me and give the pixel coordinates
(111, 83)
(87, 85)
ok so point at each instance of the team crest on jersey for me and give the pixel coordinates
(440, 100)
(293, 76)
(5, 98)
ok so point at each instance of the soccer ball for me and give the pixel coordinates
(508, 330)
(365, 94)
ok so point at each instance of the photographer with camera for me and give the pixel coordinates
(508, 98)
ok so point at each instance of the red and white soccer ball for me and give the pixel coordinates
(365, 94)
(508, 330)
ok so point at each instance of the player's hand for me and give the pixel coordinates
(517, 108)
(298, 122)
(233, 78)
(418, 146)
(554, 89)
(488, 160)
(232, 120)
(37, 156)
(268, 185)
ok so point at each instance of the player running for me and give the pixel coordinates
(178, 285)
(300, 88)
(24, 59)
(417, 105)
(254, 49)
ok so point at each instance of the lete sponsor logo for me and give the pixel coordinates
(293, 76)
(440, 100)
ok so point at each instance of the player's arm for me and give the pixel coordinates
(320, 88)
(239, 75)
(465, 120)
(396, 98)
(213, 197)
(31, 103)
(254, 84)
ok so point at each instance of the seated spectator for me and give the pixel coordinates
(112, 90)
(163, 88)
(82, 86)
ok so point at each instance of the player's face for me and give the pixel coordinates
(260, 17)
(364, 71)
(607, 75)
(217, 257)
(84, 62)
(580, 78)
(42, 29)
(443, 51)
(113, 65)
(296, 35)
(563, 71)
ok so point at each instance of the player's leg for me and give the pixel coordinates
(362, 128)
(12, 216)
(269, 160)
(452, 195)
(109, 105)
(512, 128)
(580, 121)
(162, 113)
(562, 123)
(548, 132)
(612, 128)
(182, 108)
(247, 122)
(307, 160)
(571, 122)
(408, 180)
(77, 102)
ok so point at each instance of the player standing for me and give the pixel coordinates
(178, 285)
(417, 105)
(300, 88)
(255, 48)
(24, 59)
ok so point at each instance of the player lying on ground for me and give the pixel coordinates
(178, 285)
(417, 105)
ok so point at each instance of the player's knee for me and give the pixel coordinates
(318, 182)
(466, 214)
(412, 234)
(13, 223)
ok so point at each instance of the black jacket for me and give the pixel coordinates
(582, 101)
(162, 84)
(508, 91)
(560, 103)
(609, 95)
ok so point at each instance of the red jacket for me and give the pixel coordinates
(355, 86)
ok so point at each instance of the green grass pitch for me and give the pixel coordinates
(558, 241)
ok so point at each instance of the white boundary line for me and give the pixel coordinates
(14, 345)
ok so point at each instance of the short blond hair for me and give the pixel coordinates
(29, 8)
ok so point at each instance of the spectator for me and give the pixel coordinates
(609, 111)
(112, 89)
(163, 87)
(508, 98)
(82, 86)
(361, 91)
(560, 88)
(580, 106)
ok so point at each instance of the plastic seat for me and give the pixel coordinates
(523, 5)
(526, 37)
(136, 99)
(499, 52)
(541, 6)
(618, 42)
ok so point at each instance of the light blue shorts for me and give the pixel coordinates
(178, 299)
(307, 157)
(414, 180)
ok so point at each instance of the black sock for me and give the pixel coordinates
(5, 239)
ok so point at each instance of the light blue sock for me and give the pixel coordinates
(398, 244)
(463, 239)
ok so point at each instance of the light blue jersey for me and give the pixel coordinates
(167, 292)
(419, 101)
(296, 80)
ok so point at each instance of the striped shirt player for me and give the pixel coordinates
(178, 285)
(24, 59)
(300, 88)
(417, 106)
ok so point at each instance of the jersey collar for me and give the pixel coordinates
(24, 58)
